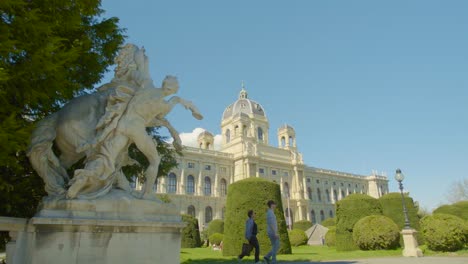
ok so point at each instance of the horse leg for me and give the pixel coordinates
(187, 104)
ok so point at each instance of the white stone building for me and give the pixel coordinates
(199, 185)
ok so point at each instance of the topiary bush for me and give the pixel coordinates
(329, 222)
(252, 193)
(459, 209)
(303, 225)
(215, 226)
(297, 237)
(330, 237)
(216, 238)
(444, 232)
(392, 207)
(376, 232)
(350, 210)
(190, 233)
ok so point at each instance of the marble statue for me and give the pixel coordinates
(100, 127)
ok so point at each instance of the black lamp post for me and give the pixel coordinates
(400, 177)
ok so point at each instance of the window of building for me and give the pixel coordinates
(286, 189)
(191, 210)
(330, 214)
(343, 195)
(309, 193)
(172, 183)
(283, 142)
(327, 193)
(273, 172)
(319, 195)
(285, 174)
(317, 181)
(349, 184)
(260, 133)
(190, 187)
(326, 182)
(208, 214)
(308, 179)
(228, 135)
(191, 165)
(312, 217)
(322, 216)
(223, 186)
(261, 170)
(207, 167)
(223, 170)
(207, 186)
(334, 183)
(335, 196)
(341, 184)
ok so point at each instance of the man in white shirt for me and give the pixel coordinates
(272, 231)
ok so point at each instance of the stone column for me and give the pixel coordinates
(182, 182)
(410, 243)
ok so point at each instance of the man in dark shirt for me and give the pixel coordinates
(251, 231)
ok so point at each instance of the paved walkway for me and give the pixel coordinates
(398, 260)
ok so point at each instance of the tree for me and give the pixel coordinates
(458, 191)
(50, 51)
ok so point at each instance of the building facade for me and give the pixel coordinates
(200, 183)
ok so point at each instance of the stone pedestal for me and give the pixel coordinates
(116, 228)
(410, 243)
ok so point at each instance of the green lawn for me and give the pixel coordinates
(302, 253)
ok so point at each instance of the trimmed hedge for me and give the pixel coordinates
(392, 207)
(444, 232)
(459, 209)
(350, 210)
(376, 232)
(216, 238)
(329, 222)
(252, 194)
(215, 226)
(330, 237)
(190, 233)
(304, 225)
(297, 237)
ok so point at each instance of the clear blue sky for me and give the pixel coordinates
(367, 85)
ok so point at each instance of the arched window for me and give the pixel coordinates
(327, 193)
(260, 133)
(309, 193)
(228, 135)
(319, 195)
(343, 195)
(172, 183)
(335, 196)
(283, 142)
(190, 188)
(207, 186)
(244, 130)
(208, 214)
(291, 141)
(286, 189)
(191, 210)
(330, 214)
(236, 131)
(322, 215)
(223, 186)
(312, 217)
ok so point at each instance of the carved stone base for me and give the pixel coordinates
(410, 243)
(113, 229)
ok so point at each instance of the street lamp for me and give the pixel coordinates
(400, 177)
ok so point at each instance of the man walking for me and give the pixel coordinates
(251, 231)
(272, 231)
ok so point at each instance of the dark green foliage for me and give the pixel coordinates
(444, 232)
(329, 222)
(303, 225)
(459, 209)
(252, 193)
(376, 232)
(350, 210)
(330, 237)
(190, 233)
(297, 237)
(216, 238)
(392, 207)
(50, 51)
(215, 226)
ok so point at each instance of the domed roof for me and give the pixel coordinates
(205, 134)
(243, 105)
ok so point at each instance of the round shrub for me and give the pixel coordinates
(459, 209)
(190, 233)
(376, 232)
(297, 237)
(444, 232)
(330, 237)
(252, 194)
(329, 222)
(215, 226)
(350, 210)
(303, 225)
(392, 207)
(216, 238)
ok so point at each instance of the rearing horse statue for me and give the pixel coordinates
(101, 126)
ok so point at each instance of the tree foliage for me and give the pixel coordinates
(252, 194)
(297, 237)
(459, 209)
(444, 232)
(190, 233)
(304, 225)
(376, 232)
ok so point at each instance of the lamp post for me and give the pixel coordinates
(400, 177)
